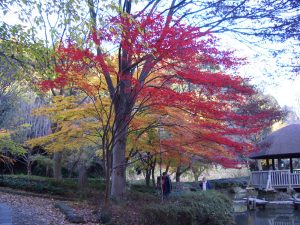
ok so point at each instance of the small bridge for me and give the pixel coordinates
(275, 179)
(282, 222)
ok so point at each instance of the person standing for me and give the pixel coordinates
(166, 184)
(205, 184)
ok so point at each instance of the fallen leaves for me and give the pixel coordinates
(41, 211)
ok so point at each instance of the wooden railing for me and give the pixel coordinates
(259, 179)
(276, 221)
(280, 178)
(273, 179)
(286, 222)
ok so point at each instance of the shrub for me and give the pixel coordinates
(230, 182)
(142, 188)
(140, 197)
(39, 186)
(65, 187)
(202, 208)
(97, 184)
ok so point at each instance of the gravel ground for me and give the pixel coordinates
(41, 211)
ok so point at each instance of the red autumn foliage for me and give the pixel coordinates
(167, 66)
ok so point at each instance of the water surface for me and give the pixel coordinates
(268, 217)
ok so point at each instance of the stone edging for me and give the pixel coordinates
(69, 213)
(272, 204)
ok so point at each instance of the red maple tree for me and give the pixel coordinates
(162, 64)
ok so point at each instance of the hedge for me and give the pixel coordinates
(199, 208)
(46, 185)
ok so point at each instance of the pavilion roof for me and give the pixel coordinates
(283, 143)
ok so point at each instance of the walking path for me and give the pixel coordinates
(5, 215)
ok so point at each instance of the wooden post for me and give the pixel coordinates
(268, 164)
(291, 171)
(251, 203)
(290, 181)
(279, 164)
(248, 203)
(291, 165)
(273, 164)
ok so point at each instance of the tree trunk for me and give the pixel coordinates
(152, 172)
(178, 177)
(107, 178)
(104, 161)
(147, 177)
(11, 169)
(82, 179)
(196, 177)
(57, 161)
(118, 159)
(47, 171)
(29, 168)
(178, 174)
(168, 167)
(196, 174)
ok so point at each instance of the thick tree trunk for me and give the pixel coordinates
(119, 161)
(57, 161)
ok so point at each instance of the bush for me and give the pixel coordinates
(230, 182)
(24, 183)
(142, 188)
(141, 198)
(46, 185)
(97, 184)
(202, 208)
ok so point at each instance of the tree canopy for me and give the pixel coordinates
(130, 67)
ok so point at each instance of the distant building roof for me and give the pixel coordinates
(283, 143)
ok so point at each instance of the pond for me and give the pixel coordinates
(268, 217)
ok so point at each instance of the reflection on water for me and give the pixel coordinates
(268, 217)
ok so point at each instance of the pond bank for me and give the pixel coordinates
(268, 205)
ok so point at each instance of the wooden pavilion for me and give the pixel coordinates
(280, 153)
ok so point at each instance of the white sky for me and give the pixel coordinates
(265, 71)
